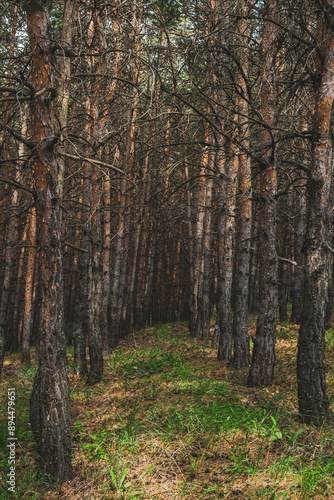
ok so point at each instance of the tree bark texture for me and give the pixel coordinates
(49, 404)
(263, 359)
(311, 376)
(226, 242)
(195, 310)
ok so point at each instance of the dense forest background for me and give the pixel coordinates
(161, 161)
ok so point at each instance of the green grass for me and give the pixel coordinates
(169, 421)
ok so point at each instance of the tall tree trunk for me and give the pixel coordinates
(205, 298)
(106, 243)
(81, 317)
(95, 287)
(108, 113)
(311, 376)
(140, 317)
(195, 310)
(95, 272)
(263, 359)
(49, 404)
(120, 268)
(244, 209)
(241, 273)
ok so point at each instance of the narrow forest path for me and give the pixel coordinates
(169, 421)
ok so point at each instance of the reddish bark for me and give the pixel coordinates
(49, 404)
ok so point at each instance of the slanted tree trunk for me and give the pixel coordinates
(95, 283)
(263, 359)
(311, 375)
(49, 404)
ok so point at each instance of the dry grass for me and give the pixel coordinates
(171, 422)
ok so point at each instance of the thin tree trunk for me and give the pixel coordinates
(14, 324)
(205, 300)
(284, 251)
(95, 287)
(194, 320)
(29, 289)
(244, 209)
(298, 273)
(139, 314)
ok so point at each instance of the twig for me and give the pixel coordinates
(17, 185)
(75, 248)
(292, 262)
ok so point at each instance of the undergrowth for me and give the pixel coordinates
(171, 422)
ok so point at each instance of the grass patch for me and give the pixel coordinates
(170, 421)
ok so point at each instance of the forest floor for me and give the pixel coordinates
(171, 422)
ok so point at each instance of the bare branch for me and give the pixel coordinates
(17, 185)
(17, 136)
(91, 160)
(292, 262)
